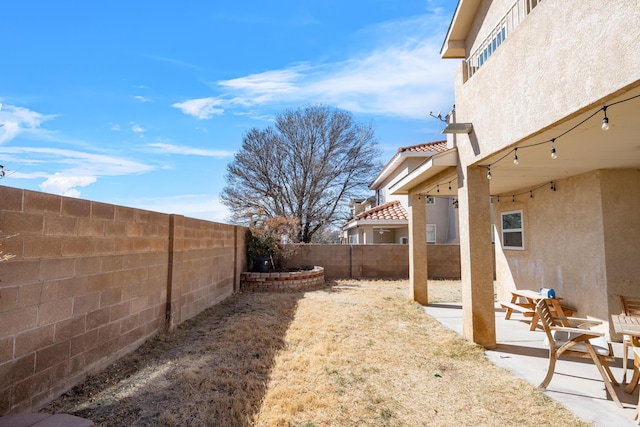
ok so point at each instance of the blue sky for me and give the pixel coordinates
(143, 104)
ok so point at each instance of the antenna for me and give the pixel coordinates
(439, 116)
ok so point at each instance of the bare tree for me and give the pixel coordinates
(307, 166)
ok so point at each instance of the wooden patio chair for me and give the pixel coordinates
(630, 307)
(577, 341)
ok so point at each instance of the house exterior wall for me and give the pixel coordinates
(541, 76)
(621, 224)
(581, 240)
(91, 281)
(554, 47)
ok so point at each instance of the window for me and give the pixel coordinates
(431, 233)
(493, 44)
(353, 239)
(512, 230)
(431, 200)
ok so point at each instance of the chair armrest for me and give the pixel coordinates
(593, 334)
(579, 321)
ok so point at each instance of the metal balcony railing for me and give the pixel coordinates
(508, 23)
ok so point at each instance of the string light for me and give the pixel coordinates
(605, 121)
(554, 154)
(489, 173)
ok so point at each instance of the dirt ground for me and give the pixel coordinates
(354, 353)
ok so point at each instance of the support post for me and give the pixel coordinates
(418, 249)
(476, 258)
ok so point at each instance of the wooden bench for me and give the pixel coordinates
(526, 309)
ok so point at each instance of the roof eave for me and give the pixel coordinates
(454, 45)
(428, 169)
(393, 164)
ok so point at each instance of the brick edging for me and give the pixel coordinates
(289, 281)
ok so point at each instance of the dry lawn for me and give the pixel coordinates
(356, 353)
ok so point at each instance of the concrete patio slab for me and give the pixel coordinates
(39, 419)
(576, 383)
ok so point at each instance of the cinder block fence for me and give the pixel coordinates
(91, 282)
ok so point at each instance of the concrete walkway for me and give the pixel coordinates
(576, 383)
(39, 419)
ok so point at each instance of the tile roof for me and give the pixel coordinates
(389, 210)
(438, 146)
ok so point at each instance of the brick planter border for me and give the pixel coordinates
(290, 281)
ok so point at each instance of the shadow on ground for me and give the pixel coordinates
(212, 370)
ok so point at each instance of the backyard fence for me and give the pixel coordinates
(91, 281)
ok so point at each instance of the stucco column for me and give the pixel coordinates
(368, 234)
(418, 249)
(476, 258)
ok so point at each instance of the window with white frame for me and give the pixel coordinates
(353, 239)
(431, 233)
(512, 230)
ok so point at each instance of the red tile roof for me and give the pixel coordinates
(389, 210)
(438, 146)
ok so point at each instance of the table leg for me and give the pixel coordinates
(514, 300)
(534, 319)
(636, 376)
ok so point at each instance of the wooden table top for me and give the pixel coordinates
(626, 325)
(527, 293)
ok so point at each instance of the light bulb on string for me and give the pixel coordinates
(553, 149)
(515, 157)
(489, 174)
(605, 121)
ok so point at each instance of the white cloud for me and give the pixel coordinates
(202, 108)
(136, 128)
(402, 75)
(115, 127)
(189, 151)
(73, 168)
(65, 185)
(17, 120)
(141, 98)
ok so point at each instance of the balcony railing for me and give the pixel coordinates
(508, 23)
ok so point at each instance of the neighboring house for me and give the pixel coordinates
(384, 218)
(546, 130)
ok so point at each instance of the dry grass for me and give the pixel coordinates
(358, 353)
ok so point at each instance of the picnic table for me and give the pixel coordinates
(525, 300)
(630, 325)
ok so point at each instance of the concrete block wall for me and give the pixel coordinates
(91, 281)
(377, 261)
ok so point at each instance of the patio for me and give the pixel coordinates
(576, 382)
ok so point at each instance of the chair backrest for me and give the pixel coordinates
(630, 305)
(546, 319)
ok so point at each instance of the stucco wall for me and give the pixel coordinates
(555, 46)
(91, 281)
(582, 240)
(620, 192)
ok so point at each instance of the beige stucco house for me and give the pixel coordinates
(383, 218)
(546, 135)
